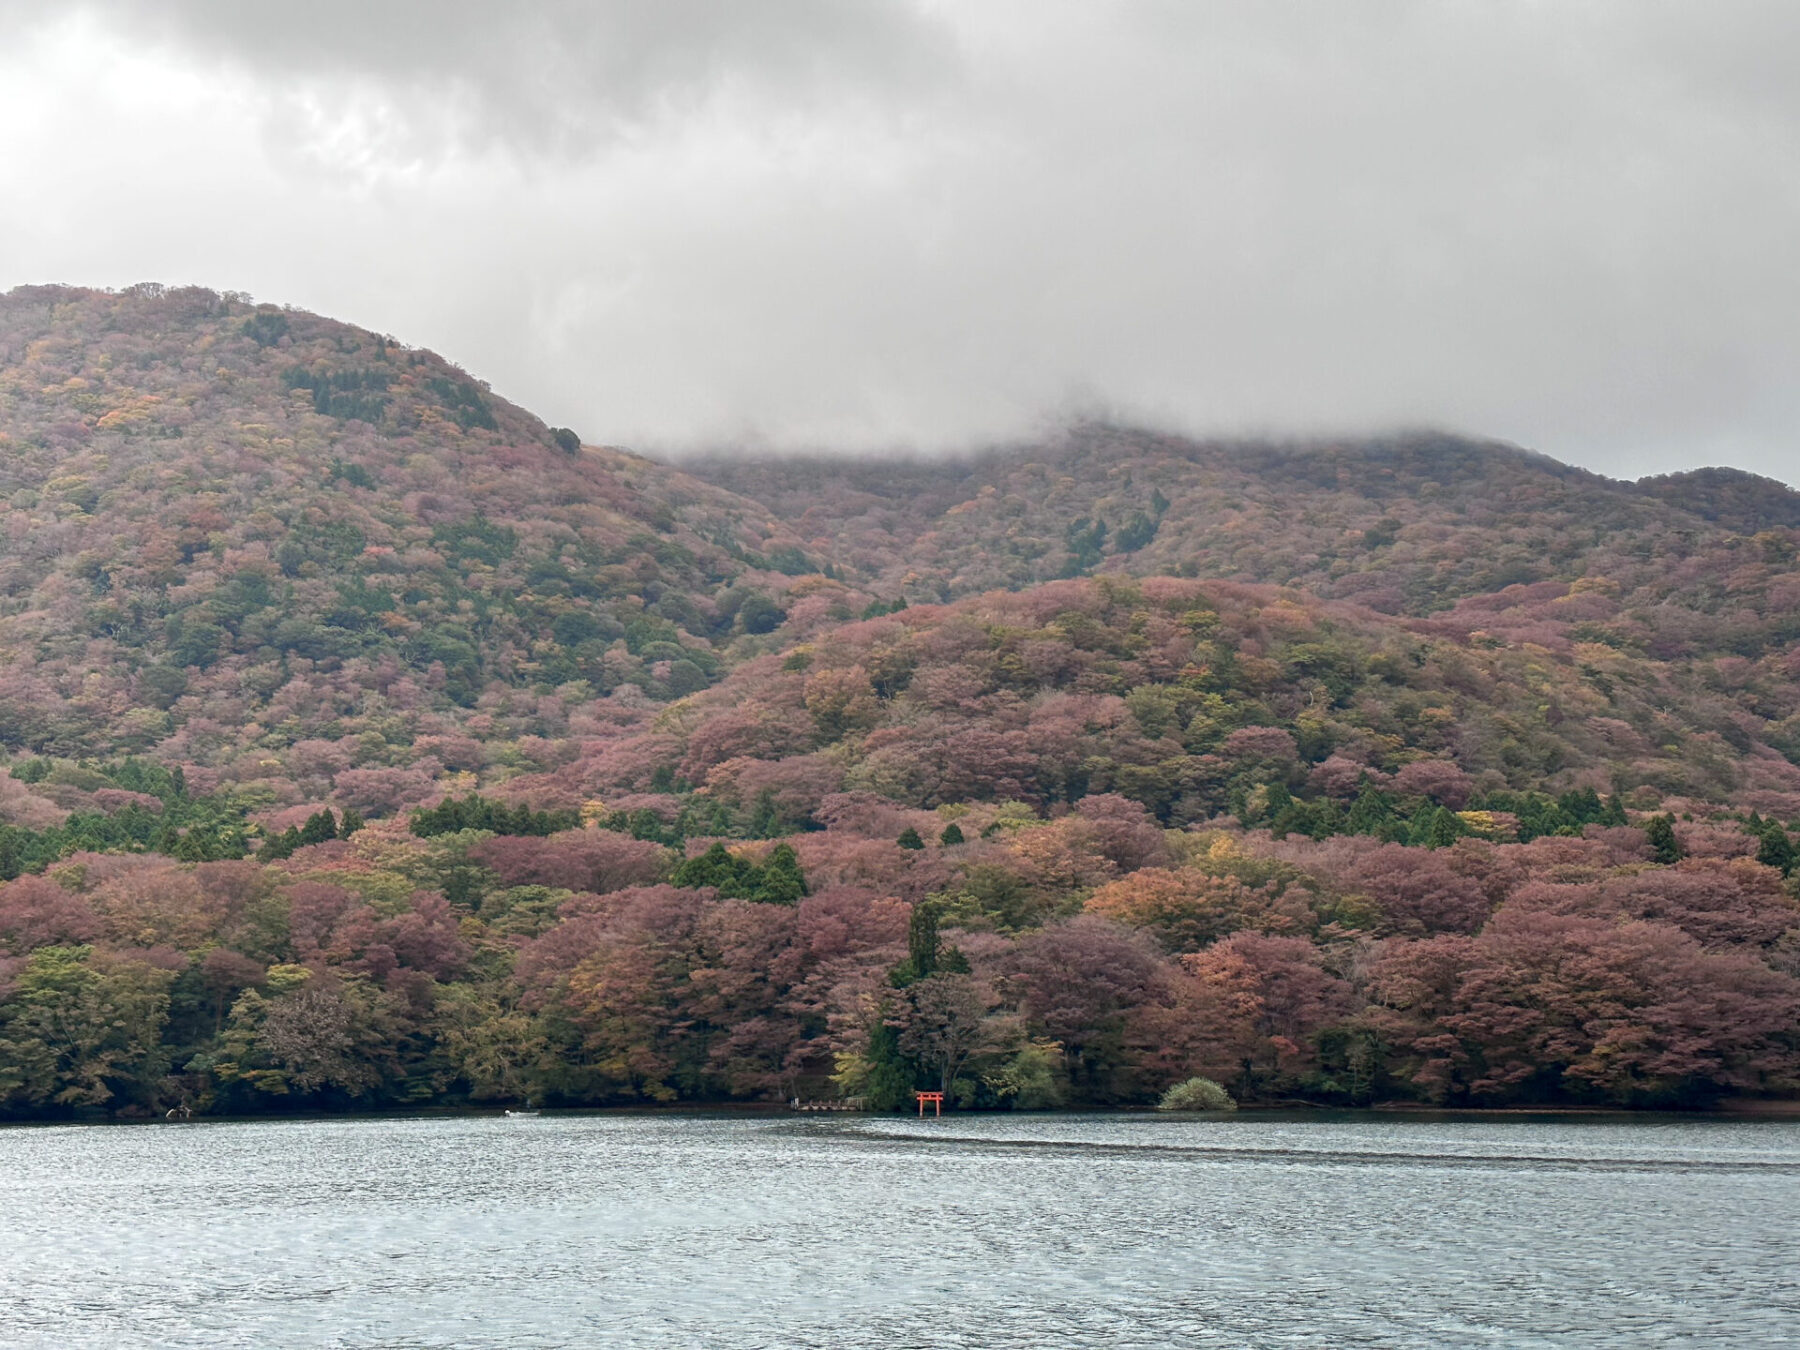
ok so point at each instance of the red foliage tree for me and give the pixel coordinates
(36, 912)
(1420, 891)
(577, 860)
(1081, 984)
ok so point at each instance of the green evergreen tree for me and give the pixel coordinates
(765, 821)
(952, 835)
(203, 843)
(1659, 833)
(1445, 829)
(1279, 800)
(1369, 812)
(320, 827)
(279, 846)
(715, 867)
(780, 882)
(475, 812)
(909, 838)
(921, 946)
(922, 938)
(1776, 848)
(891, 1076)
(1418, 827)
(1294, 818)
(350, 824)
(1324, 819)
(1581, 806)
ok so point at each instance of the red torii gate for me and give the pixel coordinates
(935, 1098)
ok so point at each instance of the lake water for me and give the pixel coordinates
(634, 1230)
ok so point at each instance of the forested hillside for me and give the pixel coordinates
(368, 743)
(290, 523)
(1404, 525)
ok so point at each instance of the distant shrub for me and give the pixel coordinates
(1196, 1094)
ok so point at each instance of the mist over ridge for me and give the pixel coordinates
(907, 223)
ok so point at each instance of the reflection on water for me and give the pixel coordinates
(974, 1231)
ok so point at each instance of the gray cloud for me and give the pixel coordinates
(828, 224)
(542, 76)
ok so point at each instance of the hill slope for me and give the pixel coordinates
(230, 529)
(1484, 544)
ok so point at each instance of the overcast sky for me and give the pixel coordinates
(859, 224)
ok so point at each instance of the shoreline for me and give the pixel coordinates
(1736, 1109)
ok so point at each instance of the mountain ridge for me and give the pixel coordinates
(1408, 523)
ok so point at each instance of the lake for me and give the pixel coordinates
(625, 1230)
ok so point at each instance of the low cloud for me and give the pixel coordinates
(857, 226)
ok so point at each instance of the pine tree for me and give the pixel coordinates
(922, 938)
(765, 821)
(1278, 799)
(952, 835)
(888, 1084)
(1776, 849)
(909, 838)
(781, 882)
(715, 868)
(320, 828)
(1659, 833)
(921, 946)
(1444, 830)
(1369, 812)
(1581, 806)
(1418, 825)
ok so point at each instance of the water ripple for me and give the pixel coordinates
(653, 1231)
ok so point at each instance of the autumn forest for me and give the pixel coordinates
(368, 744)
